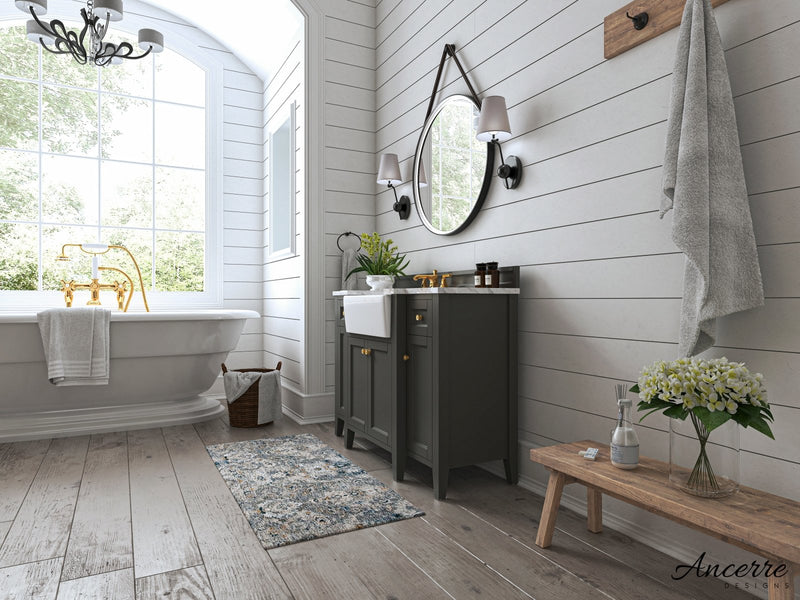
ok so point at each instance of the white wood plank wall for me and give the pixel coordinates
(282, 287)
(351, 164)
(601, 279)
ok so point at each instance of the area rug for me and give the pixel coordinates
(295, 488)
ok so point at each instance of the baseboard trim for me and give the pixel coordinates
(307, 408)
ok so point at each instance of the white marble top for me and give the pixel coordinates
(435, 290)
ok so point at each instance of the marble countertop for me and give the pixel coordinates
(421, 290)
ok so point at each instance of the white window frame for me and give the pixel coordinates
(285, 114)
(212, 294)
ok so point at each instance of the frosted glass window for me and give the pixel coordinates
(281, 185)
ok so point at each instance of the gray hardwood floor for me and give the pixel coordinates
(145, 514)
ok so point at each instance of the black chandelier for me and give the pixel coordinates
(57, 39)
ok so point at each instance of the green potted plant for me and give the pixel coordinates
(380, 260)
(700, 397)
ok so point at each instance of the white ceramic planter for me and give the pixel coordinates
(380, 282)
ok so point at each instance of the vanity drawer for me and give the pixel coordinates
(419, 316)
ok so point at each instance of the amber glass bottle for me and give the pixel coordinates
(480, 273)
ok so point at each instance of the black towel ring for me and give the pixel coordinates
(341, 235)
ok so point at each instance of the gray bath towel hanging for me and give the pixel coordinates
(704, 183)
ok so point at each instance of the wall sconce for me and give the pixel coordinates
(389, 175)
(493, 127)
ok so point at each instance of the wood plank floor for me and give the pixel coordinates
(144, 514)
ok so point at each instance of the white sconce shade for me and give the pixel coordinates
(150, 38)
(110, 8)
(34, 33)
(423, 179)
(38, 6)
(389, 171)
(493, 122)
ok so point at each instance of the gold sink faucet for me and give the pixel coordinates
(428, 280)
(69, 287)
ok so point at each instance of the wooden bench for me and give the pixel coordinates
(762, 523)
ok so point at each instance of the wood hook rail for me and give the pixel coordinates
(650, 19)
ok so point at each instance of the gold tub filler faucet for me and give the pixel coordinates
(95, 286)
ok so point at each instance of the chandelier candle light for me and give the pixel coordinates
(57, 39)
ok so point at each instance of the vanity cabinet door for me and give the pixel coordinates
(380, 394)
(367, 389)
(419, 396)
(356, 383)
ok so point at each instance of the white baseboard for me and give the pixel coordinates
(302, 408)
(307, 408)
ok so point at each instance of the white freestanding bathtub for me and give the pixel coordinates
(160, 364)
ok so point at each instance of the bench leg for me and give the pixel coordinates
(552, 500)
(782, 588)
(594, 510)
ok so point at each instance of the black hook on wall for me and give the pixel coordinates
(639, 21)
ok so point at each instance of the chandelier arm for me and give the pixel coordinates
(128, 54)
(46, 26)
(66, 41)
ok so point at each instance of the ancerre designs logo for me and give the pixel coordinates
(741, 571)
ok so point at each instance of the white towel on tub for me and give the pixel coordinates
(269, 391)
(76, 345)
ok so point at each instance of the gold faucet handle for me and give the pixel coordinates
(427, 280)
(444, 279)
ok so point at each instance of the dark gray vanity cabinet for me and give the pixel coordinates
(441, 390)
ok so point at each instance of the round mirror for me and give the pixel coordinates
(452, 169)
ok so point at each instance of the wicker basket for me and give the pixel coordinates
(244, 412)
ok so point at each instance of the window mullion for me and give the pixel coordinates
(40, 269)
(153, 210)
(99, 160)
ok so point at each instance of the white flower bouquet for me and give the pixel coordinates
(710, 392)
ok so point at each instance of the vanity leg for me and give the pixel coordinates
(440, 476)
(349, 434)
(339, 427)
(398, 466)
(512, 473)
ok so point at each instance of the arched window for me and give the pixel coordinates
(114, 155)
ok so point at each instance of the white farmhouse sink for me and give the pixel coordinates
(368, 315)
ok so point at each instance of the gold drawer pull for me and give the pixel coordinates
(367, 351)
(418, 317)
(406, 357)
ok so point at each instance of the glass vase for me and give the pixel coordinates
(704, 463)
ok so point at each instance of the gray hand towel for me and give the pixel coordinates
(704, 183)
(76, 345)
(349, 263)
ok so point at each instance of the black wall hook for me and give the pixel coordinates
(639, 21)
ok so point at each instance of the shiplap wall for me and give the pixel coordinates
(601, 279)
(283, 286)
(350, 164)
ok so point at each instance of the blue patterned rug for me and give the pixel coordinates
(295, 488)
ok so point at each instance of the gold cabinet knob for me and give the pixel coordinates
(367, 351)
(406, 357)
(418, 317)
